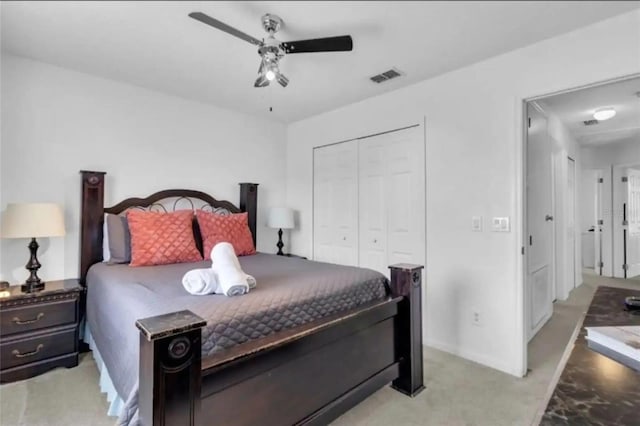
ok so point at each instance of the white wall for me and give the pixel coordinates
(58, 121)
(626, 151)
(474, 156)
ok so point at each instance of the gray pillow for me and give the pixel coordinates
(119, 238)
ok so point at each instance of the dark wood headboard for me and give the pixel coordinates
(93, 210)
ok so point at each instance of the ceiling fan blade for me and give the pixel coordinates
(327, 44)
(206, 19)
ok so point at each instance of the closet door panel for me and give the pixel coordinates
(346, 204)
(406, 193)
(322, 187)
(373, 210)
(335, 204)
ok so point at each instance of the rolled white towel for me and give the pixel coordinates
(232, 281)
(201, 281)
(251, 281)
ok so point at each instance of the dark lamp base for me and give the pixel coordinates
(32, 287)
(280, 243)
(33, 283)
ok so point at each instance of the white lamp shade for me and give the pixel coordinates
(32, 220)
(280, 217)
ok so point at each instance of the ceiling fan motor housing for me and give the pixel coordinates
(271, 23)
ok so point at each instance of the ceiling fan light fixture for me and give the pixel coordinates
(604, 114)
(282, 80)
(271, 50)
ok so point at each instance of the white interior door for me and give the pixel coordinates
(335, 205)
(598, 223)
(626, 240)
(633, 222)
(571, 223)
(392, 199)
(373, 204)
(322, 202)
(539, 225)
(406, 196)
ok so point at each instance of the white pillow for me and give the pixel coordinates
(106, 253)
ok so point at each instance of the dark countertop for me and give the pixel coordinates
(594, 389)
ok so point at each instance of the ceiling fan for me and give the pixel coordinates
(272, 50)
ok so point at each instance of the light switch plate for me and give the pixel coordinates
(500, 224)
(476, 223)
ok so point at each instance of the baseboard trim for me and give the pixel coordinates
(482, 359)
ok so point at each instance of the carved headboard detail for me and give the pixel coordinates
(93, 210)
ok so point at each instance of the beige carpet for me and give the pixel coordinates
(459, 392)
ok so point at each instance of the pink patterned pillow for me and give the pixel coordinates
(162, 238)
(233, 229)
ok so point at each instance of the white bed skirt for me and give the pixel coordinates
(116, 404)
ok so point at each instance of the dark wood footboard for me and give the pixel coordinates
(309, 375)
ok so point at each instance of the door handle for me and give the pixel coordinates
(548, 218)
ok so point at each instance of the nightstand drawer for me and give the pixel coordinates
(23, 351)
(27, 318)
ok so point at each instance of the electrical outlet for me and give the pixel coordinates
(476, 318)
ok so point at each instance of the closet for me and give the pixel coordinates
(369, 200)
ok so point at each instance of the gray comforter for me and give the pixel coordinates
(290, 292)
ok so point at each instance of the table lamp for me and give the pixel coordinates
(32, 220)
(280, 218)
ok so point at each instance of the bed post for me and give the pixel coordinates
(249, 204)
(91, 220)
(170, 369)
(406, 281)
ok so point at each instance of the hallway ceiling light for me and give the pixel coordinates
(604, 114)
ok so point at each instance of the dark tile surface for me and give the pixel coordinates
(169, 324)
(594, 389)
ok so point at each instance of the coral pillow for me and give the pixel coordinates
(162, 238)
(233, 229)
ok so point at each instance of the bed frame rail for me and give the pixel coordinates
(309, 375)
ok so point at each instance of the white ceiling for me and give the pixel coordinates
(155, 44)
(573, 108)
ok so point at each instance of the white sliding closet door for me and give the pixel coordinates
(335, 203)
(406, 201)
(373, 203)
(369, 201)
(392, 199)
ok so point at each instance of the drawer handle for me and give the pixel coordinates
(18, 321)
(17, 354)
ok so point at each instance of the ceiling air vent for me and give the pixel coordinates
(387, 75)
(590, 122)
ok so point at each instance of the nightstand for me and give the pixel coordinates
(294, 255)
(39, 331)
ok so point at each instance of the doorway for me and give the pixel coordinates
(580, 154)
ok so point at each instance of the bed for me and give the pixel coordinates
(311, 341)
